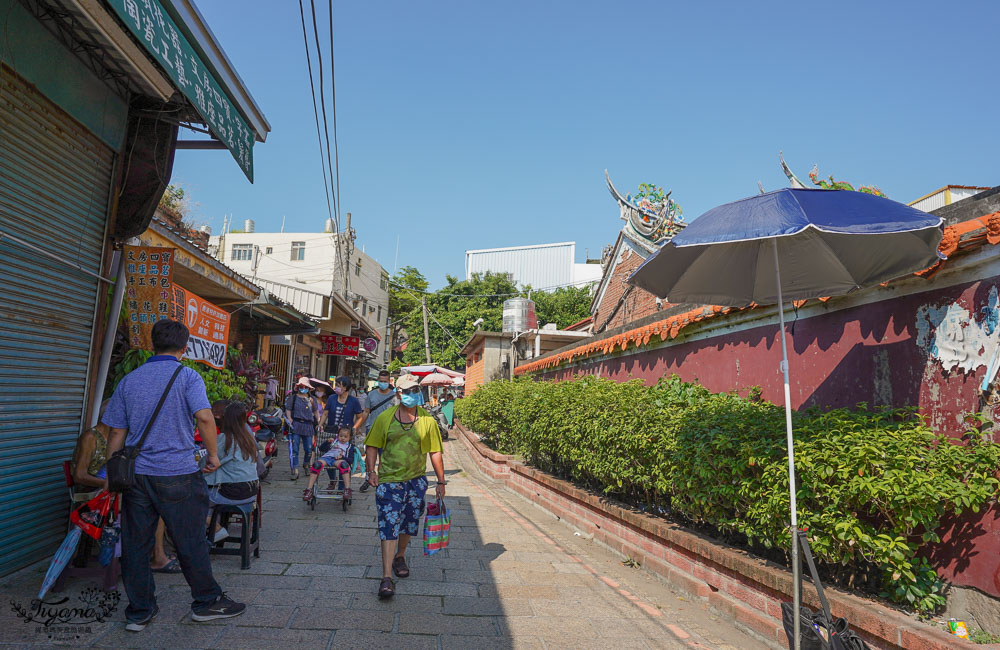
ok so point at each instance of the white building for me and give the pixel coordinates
(302, 268)
(945, 196)
(543, 266)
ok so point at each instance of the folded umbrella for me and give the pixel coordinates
(59, 561)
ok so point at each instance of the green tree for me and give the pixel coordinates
(175, 200)
(455, 307)
(564, 306)
(404, 298)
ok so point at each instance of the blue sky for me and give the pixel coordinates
(467, 125)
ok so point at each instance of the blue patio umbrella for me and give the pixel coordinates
(792, 244)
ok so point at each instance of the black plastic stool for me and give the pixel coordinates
(249, 539)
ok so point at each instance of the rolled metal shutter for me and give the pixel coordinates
(55, 179)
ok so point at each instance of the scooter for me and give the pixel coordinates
(265, 426)
(441, 420)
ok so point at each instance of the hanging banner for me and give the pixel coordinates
(153, 27)
(149, 281)
(209, 327)
(341, 346)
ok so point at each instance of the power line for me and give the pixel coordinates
(312, 89)
(333, 101)
(322, 101)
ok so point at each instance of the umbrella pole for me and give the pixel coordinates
(796, 563)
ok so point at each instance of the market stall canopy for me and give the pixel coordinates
(421, 371)
(436, 379)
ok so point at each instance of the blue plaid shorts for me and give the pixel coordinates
(400, 506)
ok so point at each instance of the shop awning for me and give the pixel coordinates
(274, 317)
(173, 33)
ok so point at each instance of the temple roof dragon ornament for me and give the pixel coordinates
(651, 217)
(831, 184)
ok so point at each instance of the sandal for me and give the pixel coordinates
(386, 589)
(173, 566)
(307, 495)
(399, 568)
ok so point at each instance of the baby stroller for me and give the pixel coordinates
(337, 492)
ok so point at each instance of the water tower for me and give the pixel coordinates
(519, 315)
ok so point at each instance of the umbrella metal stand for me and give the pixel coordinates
(796, 568)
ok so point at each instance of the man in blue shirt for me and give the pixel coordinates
(168, 483)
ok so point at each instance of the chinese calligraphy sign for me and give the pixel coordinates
(341, 346)
(149, 281)
(159, 34)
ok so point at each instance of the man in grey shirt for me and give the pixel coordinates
(381, 398)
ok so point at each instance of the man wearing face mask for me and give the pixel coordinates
(400, 441)
(378, 401)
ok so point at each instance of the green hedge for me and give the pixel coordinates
(873, 484)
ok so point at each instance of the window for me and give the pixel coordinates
(242, 252)
(378, 317)
(357, 268)
(298, 251)
(384, 284)
(364, 308)
(269, 250)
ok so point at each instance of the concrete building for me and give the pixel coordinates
(303, 269)
(542, 266)
(487, 357)
(945, 196)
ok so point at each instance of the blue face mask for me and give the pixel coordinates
(303, 391)
(409, 401)
(383, 385)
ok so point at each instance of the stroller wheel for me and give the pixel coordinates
(343, 505)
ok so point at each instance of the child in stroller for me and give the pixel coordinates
(338, 456)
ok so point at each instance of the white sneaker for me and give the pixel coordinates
(139, 626)
(220, 535)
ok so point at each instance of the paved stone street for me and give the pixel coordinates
(513, 577)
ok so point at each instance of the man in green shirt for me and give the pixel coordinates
(403, 436)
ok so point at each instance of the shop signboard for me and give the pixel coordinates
(208, 324)
(149, 282)
(150, 23)
(341, 346)
(371, 344)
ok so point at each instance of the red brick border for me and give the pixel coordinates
(744, 588)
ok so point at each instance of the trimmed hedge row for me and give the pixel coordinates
(873, 484)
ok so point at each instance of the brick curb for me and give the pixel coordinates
(744, 588)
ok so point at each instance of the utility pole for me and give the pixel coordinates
(347, 254)
(427, 342)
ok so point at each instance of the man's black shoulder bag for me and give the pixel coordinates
(121, 466)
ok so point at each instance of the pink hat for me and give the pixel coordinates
(304, 381)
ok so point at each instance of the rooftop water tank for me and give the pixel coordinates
(519, 315)
(206, 229)
(328, 227)
(248, 225)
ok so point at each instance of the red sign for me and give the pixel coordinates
(341, 346)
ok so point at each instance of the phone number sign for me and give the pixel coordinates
(341, 346)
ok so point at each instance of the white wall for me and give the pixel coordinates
(317, 271)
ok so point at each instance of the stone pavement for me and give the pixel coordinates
(513, 577)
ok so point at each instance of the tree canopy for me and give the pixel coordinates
(405, 290)
(456, 306)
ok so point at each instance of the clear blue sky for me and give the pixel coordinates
(468, 125)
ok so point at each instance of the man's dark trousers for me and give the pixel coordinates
(182, 502)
